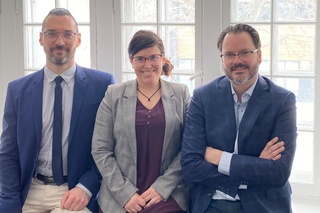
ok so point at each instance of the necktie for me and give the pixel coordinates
(57, 133)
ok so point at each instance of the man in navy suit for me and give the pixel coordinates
(26, 177)
(240, 135)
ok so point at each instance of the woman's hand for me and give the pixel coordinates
(151, 196)
(135, 204)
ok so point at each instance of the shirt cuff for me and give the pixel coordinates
(224, 164)
(84, 189)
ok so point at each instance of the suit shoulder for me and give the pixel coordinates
(273, 87)
(214, 84)
(97, 76)
(175, 86)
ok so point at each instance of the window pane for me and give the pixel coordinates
(303, 88)
(295, 49)
(34, 57)
(135, 11)
(177, 11)
(265, 34)
(83, 52)
(36, 10)
(295, 10)
(302, 169)
(250, 11)
(179, 42)
(78, 8)
(127, 33)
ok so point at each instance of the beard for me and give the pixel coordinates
(59, 59)
(253, 71)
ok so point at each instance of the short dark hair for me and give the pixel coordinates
(59, 12)
(238, 28)
(143, 39)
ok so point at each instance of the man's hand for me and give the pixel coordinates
(75, 200)
(273, 149)
(151, 196)
(135, 204)
(213, 155)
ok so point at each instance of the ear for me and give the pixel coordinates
(131, 62)
(78, 39)
(259, 56)
(41, 39)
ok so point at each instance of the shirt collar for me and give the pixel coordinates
(67, 75)
(248, 92)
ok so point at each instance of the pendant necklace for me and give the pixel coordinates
(149, 98)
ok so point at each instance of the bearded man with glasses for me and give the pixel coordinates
(49, 116)
(240, 135)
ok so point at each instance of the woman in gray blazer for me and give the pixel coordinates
(137, 136)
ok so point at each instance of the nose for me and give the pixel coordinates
(147, 63)
(236, 58)
(59, 40)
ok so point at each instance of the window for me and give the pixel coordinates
(34, 13)
(288, 35)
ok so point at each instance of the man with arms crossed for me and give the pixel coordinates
(240, 135)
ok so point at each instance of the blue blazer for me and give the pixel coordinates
(271, 112)
(21, 136)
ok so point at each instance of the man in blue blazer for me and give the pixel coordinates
(240, 135)
(26, 176)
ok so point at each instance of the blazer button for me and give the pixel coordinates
(209, 195)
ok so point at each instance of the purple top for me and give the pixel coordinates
(150, 128)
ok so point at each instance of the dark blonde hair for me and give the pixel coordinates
(143, 39)
(238, 28)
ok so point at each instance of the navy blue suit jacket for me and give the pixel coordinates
(21, 136)
(271, 112)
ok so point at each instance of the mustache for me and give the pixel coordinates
(237, 66)
(59, 48)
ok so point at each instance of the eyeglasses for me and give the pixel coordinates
(140, 60)
(244, 55)
(53, 35)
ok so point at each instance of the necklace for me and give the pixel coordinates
(149, 98)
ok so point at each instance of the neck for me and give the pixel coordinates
(149, 91)
(58, 69)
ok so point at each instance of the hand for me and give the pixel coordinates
(75, 200)
(151, 196)
(273, 149)
(212, 155)
(135, 204)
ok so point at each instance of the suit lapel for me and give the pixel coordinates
(129, 113)
(80, 83)
(168, 105)
(226, 109)
(37, 91)
(255, 105)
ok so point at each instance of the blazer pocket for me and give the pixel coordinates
(277, 193)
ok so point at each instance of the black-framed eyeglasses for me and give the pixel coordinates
(53, 35)
(140, 60)
(243, 55)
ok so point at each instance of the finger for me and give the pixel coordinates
(277, 157)
(65, 203)
(271, 143)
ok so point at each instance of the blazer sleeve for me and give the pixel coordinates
(103, 152)
(255, 171)
(9, 157)
(195, 169)
(172, 177)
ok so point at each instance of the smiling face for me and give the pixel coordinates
(149, 72)
(59, 51)
(241, 71)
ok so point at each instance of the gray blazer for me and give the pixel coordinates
(114, 145)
